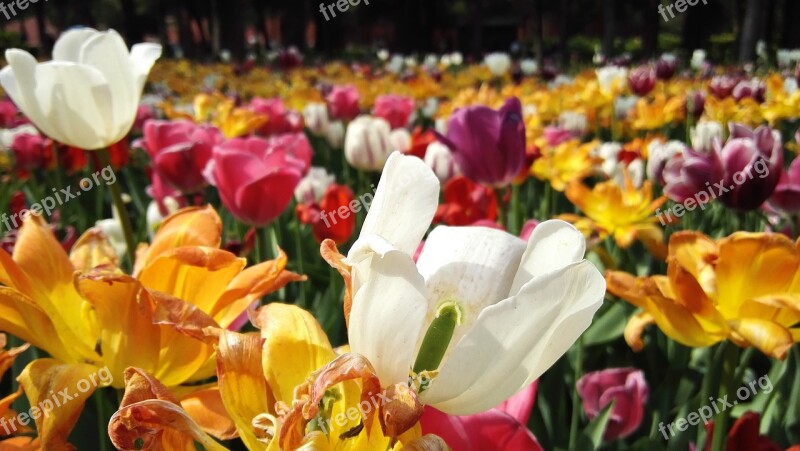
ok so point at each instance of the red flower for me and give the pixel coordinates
(333, 217)
(466, 202)
(395, 109)
(420, 140)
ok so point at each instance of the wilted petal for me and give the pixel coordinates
(93, 250)
(208, 411)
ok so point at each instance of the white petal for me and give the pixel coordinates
(553, 245)
(143, 56)
(387, 316)
(473, 266)
(68, 45)
(515, 341)
(404, 204)
(107, 53)
(75, 101)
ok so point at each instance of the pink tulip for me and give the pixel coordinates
(343, 102)
(9, 115)
(786, 196)
(180, 151)
(395, 109)
(31, 151)
(256, 178)
(626, 387)
(296, 145)
(281, 119)
(500, 429)
(557, 135)
(527, 229)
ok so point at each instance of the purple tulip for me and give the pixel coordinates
(722, 86)
(753, 162)
(754, 89)
(488, 146)
(666, 66)
(786, 196)
(696, 104)
(626, 387)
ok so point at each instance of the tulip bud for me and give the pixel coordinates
(440, 160)
(315, 116)
(498, 63)
(367, 144)
(626, 387)
(343, 102)
(666, 66)
(642, 80)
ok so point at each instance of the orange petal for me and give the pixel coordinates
(124, 308)
(291, 334)
(251, 284)
(635, 329)
(696, 253)
(627, 287)
(331, 255)
(7, 357)
(40, 256)
(242, 386)
(194, 226)
(678, 323)
(21, 444)
(150, 417)
(198, 275)
(93, 250)
(62, 391)
(770, 338)
(207, 410)
(20, 316)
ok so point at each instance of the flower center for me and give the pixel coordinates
(437, 338)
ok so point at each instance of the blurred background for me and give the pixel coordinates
(566, 32)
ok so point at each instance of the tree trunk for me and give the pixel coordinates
(650, 27)
(750, 31)
(609, 27)
(133, 27)
(231, 26)
(538, 32)
(790, 35)
(45, 42)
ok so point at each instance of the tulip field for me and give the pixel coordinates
(391, 253)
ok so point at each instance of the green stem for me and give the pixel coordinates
(730, 362)
(576, 399)
(119, 206)
(102, 419)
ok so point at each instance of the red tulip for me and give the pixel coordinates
(466, 202)
(420, 140)
(255, 178)
(626, 387)
(31, 152)
(343, 102)
(180, 151)
(281, 120)
(744, 436)
(326, 218)
(395, 109)
(500, 429)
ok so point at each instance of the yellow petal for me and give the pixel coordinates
(21, 317)
(93, 250)
(150, 417)
(291, 334)
(208, 411)
(194, 226)
(242, 386)
(60, 390)
(770, 338)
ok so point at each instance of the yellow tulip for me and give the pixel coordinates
(568, 162)
(744, 288)
(626, 213)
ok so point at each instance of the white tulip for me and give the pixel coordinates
(315, 116)
(498, 63)
(698, 59)
(790, 85)
(623, 106)
(367, 143)
(154, 217)
(528, 66)
(440, 160)
(658, 154)
(400, 139)
(395, 65)
(573, 122)
(612, 78)
(704, 134)
(313, 185)
(513, 308)
(334, 134)
(88, 95)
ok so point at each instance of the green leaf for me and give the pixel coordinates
(592, 437)
(608, 325)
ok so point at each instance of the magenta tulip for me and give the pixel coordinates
(180, 151)
(666, 66)
(722, 86)
(343, 103)
(488, 146)
(786, 196)
(642, 80)
(754, 89)
(280, 119)
(626, 387)
(256, 178)
(500, 429)
(396, 110)
(31, 151)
